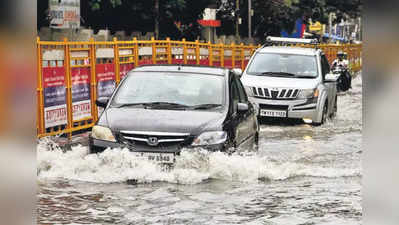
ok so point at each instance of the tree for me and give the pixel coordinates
(169, 18)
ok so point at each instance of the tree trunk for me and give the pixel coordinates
(156, 22)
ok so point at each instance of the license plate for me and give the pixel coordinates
(157, 157)
(273, 113)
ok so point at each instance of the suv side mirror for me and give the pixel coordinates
(242, 107)
(331, 77)
(237, 72)
(102, 102)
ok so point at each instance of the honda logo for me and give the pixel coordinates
(152, 141)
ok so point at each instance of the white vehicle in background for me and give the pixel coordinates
(291, 82)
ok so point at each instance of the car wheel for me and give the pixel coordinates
(334, 113)
(95, 150)
(256, 142)
(324, 116)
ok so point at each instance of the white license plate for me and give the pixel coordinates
(273, 113)
(157, 157)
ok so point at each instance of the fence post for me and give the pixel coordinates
(169, 50)
(68, 79)
(116, 61)
(40, 98)
(221, 54)
(136, 52)
(210, 54)
(242, 56)
(184, 51)
(233, 55)
(93, 80)
(154, 51)
(197, 52)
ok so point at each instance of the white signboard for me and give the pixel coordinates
(64, 13)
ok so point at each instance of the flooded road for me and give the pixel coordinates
(301, 175)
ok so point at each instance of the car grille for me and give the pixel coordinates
(153, 139)
(280, 93)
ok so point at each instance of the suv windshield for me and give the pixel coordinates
(275, 64)
(168, 88)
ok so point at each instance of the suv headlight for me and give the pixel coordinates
(249, 91)
(309, 93)
(210, 138)
(102, 133)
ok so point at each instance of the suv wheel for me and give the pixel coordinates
(256, 142)
(334, 113)
(323, 117)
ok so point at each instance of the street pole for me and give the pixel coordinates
(156, 19)
(249, 19)
(237, 18)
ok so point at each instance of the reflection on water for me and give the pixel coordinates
(301, 175)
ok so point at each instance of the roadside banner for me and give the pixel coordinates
(105, 79)
(64, 14)
(55, 109)
(81, 107)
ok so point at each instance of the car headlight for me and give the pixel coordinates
(249, 91)
(102, 133)
(309, 93)
(210, 138)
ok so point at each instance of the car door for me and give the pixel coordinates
(331, 88)
(247, 120)
(233, 124)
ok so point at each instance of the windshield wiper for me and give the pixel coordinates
(205, 106)
(278, 74)
(166, 105)
(305, 76)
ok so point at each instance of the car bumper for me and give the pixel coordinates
(300, 109)
(101, 145)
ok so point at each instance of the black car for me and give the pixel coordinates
(158, 110)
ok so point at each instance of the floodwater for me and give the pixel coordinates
(301, 175)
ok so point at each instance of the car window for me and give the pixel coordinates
(299, 65)
(325, 66)
(241, 91)
(235, 96)
(182, 88)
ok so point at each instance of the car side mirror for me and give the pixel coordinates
(331, 77)
(102, 102)
(242, 107)
(237, 72)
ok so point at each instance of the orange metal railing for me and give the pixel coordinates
(72, 75)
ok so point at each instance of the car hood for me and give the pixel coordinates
(180, 121)
(278, 82)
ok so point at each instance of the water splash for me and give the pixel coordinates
(191, 167)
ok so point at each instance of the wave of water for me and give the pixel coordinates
(191, 167)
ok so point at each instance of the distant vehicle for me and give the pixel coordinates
(158, 110)
(291, 82)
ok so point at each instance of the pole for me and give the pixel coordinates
(249, 19)
(156, 8)
(237, 17)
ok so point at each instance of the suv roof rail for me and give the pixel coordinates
(281, 41)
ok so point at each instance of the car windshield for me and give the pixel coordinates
(168, 88)
(275, 64)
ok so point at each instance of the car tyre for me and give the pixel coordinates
(334, 112)
(324, 116)
(95, 150)
(256, 142)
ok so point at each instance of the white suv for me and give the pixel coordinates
(291, 82)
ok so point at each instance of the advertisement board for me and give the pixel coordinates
(55, 108)
(64, 14)
(81, 106)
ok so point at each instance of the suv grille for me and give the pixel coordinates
(153, 139)
(280, 93)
